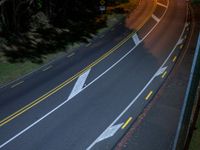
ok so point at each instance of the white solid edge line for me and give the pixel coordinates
(160, 71)
(37, 121)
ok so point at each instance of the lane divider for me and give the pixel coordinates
(174, 59)
(17, 84)
(90, 43)
(149, 95)
(126, 123)
(164, 74)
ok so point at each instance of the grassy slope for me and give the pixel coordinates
(12, 71)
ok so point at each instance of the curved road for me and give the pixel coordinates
(94, 108)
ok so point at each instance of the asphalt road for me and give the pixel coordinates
(86, 100)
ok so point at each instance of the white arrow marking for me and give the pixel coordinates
(160, 71)
(109, 132)
(136, 39)
(180, 41)
(79, 84)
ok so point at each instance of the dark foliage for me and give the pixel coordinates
(30, 29)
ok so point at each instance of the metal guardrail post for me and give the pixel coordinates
(186, 112)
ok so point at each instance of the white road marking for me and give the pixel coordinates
(109, 132)
(180, 41)
(79, 84)
(160, 4)
(155, 18)
(70, 55)
(160, 71)
(90, 43)
(157, 22)
(136, 39)
(13, 86)
(47, 68)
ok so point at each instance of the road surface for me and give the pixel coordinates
(87, 100)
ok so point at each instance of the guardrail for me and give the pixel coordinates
(189, 102)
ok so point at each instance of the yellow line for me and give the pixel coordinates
(13, 86)
(181, 46)
(164, 74)
(174, 59)
(185, 36)
(54, 90)
(148, 96)
(127, 122)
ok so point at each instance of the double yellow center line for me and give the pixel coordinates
(54, 90)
